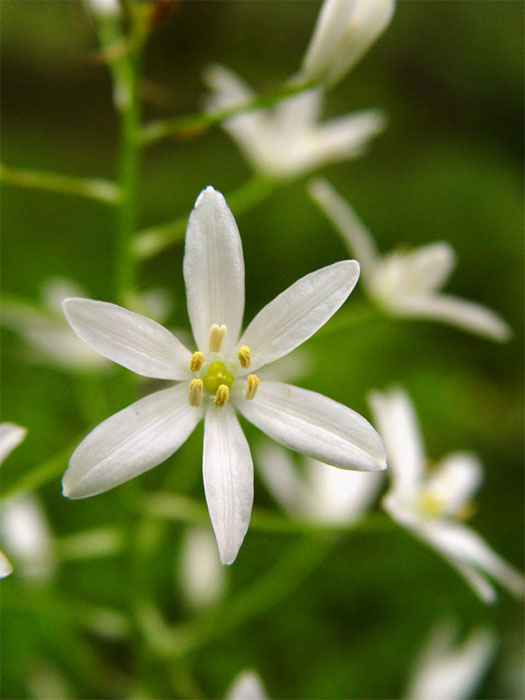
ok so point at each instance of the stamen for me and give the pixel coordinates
(243, 354)
(216, 337)
(195, 392)
(222, 395)
(252, 385)
(196, 362)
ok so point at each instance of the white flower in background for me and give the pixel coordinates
(11, 435)
(317, 492)
(432, 503)
(344, 31)
(104, 8)
(201, 577)
(49, 336)
(446, 670)
(217, 376)
(289, 139)
(407, 283)
(247, 686)
(26, 537)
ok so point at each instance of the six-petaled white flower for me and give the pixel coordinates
(432, 504)
(407, 283)
(289, 139)
(447, 670)
(316, 492)
(344, 32)
(218, 375)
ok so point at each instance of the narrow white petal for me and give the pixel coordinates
(344, 31)
(132, 441)
(199, 570)
(354, 233)
(247, 686)
(298, 312)
(464, 545)
(11, 435)
(228, 479)
(276, 468)
(448, 671)
(432, 263)
(314, 425)
(397, 423)
(213, 269)
(464, 314)
(454, 481)
(131, 340)
(6, 567)
(479, 583)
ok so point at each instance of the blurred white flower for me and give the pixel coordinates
(247, 686)
(218, 374)
(11, 435)
(104, 8)
(446, 670)
(407, 283)
(289, 139)
(26, 537)
(318, 492)
(345, 30)
(201, 576)
(48, 335)
(432, 504)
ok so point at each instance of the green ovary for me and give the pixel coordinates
(216, 375)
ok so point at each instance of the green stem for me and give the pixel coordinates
(151, 241)
(92, 188)
(193, 124)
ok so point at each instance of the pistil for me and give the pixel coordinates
(216, 337)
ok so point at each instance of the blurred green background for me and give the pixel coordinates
(449, 75)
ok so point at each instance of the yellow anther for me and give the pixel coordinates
(252, 385)
(195, 392)
(196, 362)
(222, 395)
(243, 353)
(216, 337)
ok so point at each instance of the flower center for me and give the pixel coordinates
(216, 375)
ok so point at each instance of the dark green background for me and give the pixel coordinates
(449, 76)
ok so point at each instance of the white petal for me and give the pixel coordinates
(454, 480)
(298, 312)
(132, 441)
(56, 289)
(479, 583)
(131, 340)
(228, 479)
(6, 567)
(281, 478)
(344, 32)
(11, 435)
(213, 269)
(432, 263)
(451, 672)
(466, 546)
(26, 535)
(337, 495)
(201, 576)
(397, 423)
(354, 233)
(458, 312)
(314, 425)
(297, 113)
(247, 686)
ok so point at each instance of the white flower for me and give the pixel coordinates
(104, 8)
(26, 537)
(218, 376)
(201, 576)
(431, 505)
(448, 671)
(407, 283)
(319, 493)
(247, 686)
(11, 435)
(344, 32)
(288, 139)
